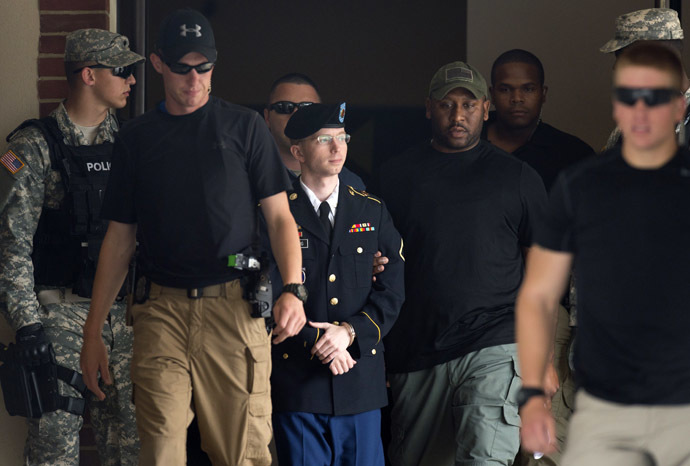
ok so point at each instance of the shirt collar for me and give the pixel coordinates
(539, 136)
(315, 202)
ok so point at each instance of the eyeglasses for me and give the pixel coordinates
(324, 139)
(651, 96)
(286, 107)
(181, 68)
(123, 72)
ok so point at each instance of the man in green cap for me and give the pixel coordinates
(660, 25)
(51, 179)
(466, 211)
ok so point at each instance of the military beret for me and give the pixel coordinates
(308, 120)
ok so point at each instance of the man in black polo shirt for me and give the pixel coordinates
(465, 210)
(518, 93)
(622, 218)
(186, 179)
(289, 93)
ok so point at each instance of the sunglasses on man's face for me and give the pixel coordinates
(123, 72)
(181, 68)
(651, 96)
(286, 107)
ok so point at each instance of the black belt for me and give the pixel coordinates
(211, 291)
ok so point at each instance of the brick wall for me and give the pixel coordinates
(58, 18)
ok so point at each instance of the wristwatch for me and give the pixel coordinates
(526, 393)
(298, 290)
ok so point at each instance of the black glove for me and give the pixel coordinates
(33, 348)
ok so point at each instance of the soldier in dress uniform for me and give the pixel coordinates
(328, 382)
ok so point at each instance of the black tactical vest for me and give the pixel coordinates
(68, 239)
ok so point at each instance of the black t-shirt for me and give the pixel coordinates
(628, 229)
(464, 218)
(549, 150)
(191, 183)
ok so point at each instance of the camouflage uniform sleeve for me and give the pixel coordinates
(613, 139)
(21, 200)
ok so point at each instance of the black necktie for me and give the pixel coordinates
(324, 210)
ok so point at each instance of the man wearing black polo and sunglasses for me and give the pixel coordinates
(622, 219)
(51, 179)
(186, 180)
(289, 93)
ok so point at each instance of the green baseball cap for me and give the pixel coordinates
(99, 47)
(649, 24)
(454, 75)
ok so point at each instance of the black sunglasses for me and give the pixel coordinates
(123, 72)
(181, 68)
(286, 107)
(651, 96)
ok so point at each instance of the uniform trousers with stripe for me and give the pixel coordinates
(306, 439)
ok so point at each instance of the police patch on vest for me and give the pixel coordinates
(11, 162)
(97, 166)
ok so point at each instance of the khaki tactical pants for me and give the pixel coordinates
(206, 356)
(614, 434)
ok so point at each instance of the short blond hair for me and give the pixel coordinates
(652, 55)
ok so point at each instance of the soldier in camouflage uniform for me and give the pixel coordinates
(652, 24)
(98, 65)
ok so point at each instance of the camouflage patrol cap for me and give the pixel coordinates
(454, 75)
(100, 47)
(649, 24)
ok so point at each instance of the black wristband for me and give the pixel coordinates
(526, 393)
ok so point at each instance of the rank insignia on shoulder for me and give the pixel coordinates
(11, 162)
(353, 191)
(358, 227)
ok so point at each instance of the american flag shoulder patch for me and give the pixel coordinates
(11, 162)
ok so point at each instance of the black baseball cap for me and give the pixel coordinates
(184, 31)
(308, 120)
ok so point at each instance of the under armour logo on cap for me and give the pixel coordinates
(184, 30)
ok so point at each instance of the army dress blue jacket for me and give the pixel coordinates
(338, 276)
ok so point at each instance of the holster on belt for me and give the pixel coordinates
(139, 292)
